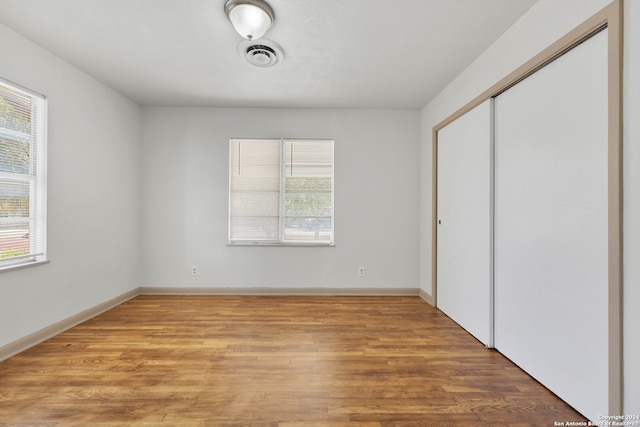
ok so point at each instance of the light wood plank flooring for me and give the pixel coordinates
(272, 361)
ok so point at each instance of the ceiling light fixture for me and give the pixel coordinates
(251, 18)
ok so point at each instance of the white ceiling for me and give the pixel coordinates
(338, 53)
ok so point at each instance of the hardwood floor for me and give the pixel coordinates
(273, 361)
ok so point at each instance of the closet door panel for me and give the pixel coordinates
(464, 215)
(551, 236)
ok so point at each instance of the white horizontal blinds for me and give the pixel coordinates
(255, 190)
(22, 176)
(308, 189)
(281, 191)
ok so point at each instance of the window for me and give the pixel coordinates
(22, 176)
(281, 191)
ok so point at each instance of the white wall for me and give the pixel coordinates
(186, 199)
(93, 189)
(543, 24)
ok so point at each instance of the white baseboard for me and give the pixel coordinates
(24, 343)
(425, 296)
(175, 290)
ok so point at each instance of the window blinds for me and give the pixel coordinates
(22, 176)
(255, 190)
(308, 190)
(281, 191)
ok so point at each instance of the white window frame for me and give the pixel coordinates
(281, 240)
(36, 178)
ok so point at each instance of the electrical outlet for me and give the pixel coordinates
(194, 270)
(361, 272)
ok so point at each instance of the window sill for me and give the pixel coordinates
(284, 244)
(23, 265)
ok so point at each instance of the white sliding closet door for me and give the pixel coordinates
(551, 241)
(464, 221)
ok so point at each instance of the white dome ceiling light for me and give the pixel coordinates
(261, 53)
(251, 18)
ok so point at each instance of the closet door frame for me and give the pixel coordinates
(609, 17)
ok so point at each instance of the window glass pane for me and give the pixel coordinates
(308, 200)
(14, 238)
(22, 176)
(308, 229)
(313, 203)
(14, 156)
(258, 228)
(308, 158)
(15, 110)
(255, 203)
(255, 189)
(14, 198)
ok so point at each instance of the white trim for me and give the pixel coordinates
(282, 243)
(21, 88)
(24, 343)
(266, 291)
(23, 265)
(426, 297)
(492, 222)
